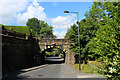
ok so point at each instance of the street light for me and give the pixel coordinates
(78, 33)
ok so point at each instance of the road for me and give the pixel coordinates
(51, 71)
(54, 59)
(57, 71)
(54, 69)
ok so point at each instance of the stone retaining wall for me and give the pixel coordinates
(19, 53)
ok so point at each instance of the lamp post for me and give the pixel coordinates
(78, 33)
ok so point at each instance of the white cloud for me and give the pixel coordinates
(62, 34)
(35, 3)
(61, 22)
(55, 33)
(33, 10)
(9, 8)
(13, 11)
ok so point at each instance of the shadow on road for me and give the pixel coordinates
(54, 62)
(13, 75)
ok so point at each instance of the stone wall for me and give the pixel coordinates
(62, 44)
(19, 53)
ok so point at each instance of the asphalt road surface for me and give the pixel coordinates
(57, 71)
(51, 71)
(54, 59)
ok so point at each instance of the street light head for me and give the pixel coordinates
(66, 11)
(78, 22)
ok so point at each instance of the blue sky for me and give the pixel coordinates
(54, 9)
(18, 12)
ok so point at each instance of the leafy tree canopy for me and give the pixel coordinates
(40, 28)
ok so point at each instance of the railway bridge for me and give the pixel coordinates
(62, 44)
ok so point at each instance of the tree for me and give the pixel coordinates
(72, 34)
(88, 28)
(53, 52)
(47, 32)
(106, 43)
(40, 28)
(106, 47)
(43, 24)
(33, 23)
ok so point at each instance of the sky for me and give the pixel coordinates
(17, 12)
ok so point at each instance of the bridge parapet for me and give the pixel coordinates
(56, 41)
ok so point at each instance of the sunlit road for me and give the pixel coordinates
(58, 71)
(54, 59)
(52, 71)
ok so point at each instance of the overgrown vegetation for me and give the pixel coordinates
(20, 29)
(100, 37)
(54, 52)
(85, 68)
(97, 64)
(91, 67)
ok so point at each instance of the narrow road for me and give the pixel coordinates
(57, 71)
(51, 71)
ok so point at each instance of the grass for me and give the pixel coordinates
(85, 68)
(0, 25)
(20, 29)
(97, 64)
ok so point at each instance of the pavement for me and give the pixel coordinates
(33, 68)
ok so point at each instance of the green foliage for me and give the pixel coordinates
(47, 32)
(33, 24)
(105, 46)
(40, 28)
(43, 24)
(72, 34)
(0, 25)
(85, 68)
(97, 64)
(20, 29)
(54, 52)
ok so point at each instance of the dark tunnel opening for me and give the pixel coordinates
(54, 56)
